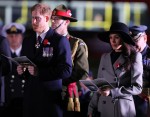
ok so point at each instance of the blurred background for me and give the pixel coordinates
(93, 16)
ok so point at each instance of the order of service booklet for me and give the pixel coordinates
(97, 83)
(22, 60)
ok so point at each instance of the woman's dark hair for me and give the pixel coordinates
(129, 54)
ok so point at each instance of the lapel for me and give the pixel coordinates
(48, 36)
(118, 65)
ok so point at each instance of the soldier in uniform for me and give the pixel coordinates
(61, 18)
(142, 101)
(14, 84)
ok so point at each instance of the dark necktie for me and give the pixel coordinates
(13, 55)
(39, 40)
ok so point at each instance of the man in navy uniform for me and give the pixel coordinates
(14, 84)
(142, 101)
(51, 54)
(61, 18)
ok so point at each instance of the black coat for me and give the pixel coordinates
(5, 65)
(43, 93)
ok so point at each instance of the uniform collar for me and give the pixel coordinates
(144, 52)
(17, 51)
(43, 34)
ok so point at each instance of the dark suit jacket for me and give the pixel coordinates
(43, 92)
(5, 65)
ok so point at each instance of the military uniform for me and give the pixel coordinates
(142, 101)
(79, 60)
(14, 84)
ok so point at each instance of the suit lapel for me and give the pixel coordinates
(49, 34)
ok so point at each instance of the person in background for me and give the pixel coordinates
(142, 101)
(60, 20)
(5, 68)
(51, 54)
(14, 84)
(123, 68)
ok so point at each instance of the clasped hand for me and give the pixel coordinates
(32, 69)
(104, 92)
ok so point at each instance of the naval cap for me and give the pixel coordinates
(137, 31)
(13, 28)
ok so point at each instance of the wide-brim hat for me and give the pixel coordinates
(120, 28)
(63, 12)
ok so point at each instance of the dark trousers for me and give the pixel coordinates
(13, 108)
(141, 106)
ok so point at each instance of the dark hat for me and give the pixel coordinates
(120, 28)
(137, 31)
(63, 12)
(13, 28)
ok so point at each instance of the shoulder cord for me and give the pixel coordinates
(74, 50)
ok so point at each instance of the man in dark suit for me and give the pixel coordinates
(14, 84)
(51, 54)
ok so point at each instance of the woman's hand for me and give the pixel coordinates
(105, 92)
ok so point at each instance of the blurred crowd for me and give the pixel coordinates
(46, 71)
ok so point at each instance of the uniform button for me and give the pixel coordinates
(12, 90)
(22, 91)
(103, 68)
(11, 81)
(12, 76)
(23, 81)
(22, 86)
(113, 101)
(104, 102)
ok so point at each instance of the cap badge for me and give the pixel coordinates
(69, 12)
(13, 29)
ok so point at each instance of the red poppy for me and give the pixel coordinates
(118, 65)
(46, 42)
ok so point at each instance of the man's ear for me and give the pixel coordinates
(47, 18)
(68, 22)
(145, 38)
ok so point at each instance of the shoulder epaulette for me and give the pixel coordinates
(80, 42)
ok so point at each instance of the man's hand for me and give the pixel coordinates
(20, 69)
(90, 115)
(33, 70)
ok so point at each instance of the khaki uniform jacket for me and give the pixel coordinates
(79, 59)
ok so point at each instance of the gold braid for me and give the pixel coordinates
(74, 50)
